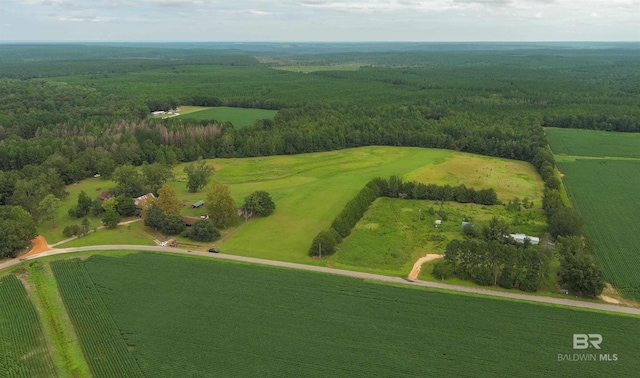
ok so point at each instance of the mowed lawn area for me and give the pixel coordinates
(239, 117)
(602, 180)
(311, 189)
(199, 317)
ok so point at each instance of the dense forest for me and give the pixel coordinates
(68, 112)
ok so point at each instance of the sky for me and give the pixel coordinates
(319, 20)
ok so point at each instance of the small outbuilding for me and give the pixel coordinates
(139, 201)
(520, 238)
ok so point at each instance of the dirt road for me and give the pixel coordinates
(368, 276)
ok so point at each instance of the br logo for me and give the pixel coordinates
(584, 341)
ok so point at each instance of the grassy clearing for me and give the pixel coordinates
(394, 233)
(239, 117)
(266, 321)
(23, 346)
(134, 234)
(58, 329)
(575, 142)
(509, 178)
(604, 192)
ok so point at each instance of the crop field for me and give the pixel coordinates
(23, 348)
(575, 142)
(601, 177)
(394, 233)
(104, 348)
(239, 117)
(605, 192)
(195, 317)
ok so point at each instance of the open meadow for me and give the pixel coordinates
(196, 317)
(311, 189)
(394, 233)
(604, 191)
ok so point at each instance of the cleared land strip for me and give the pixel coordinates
(368, 276)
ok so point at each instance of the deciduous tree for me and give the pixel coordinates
(111, 218)
(48, 208)
(259, 203)
(17, 228)
(168, 201)
(219, 204)
(198, 175)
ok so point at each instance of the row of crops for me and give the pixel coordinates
(603, 187)
(605, 192)
(594, 143)
(194, 317)
(104, 349)
(23, 348)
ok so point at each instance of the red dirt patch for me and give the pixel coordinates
(39, 245)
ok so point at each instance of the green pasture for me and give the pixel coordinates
(195, 317)
(509, 178)
(394, 233)
(594, 143)
(311, 189)
(239, 117)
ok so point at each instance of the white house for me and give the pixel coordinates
(519, 238)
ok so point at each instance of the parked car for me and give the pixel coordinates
(214, 250)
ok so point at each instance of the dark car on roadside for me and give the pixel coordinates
(214, 250)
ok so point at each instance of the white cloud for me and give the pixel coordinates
(82, 19)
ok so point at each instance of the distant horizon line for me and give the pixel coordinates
(307, 42)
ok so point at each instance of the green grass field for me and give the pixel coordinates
(195, 317)
(23, 347)
(394, 233)
(575, 142)
(134, 234)
(309, 191)
(239, 117)
(509, 178)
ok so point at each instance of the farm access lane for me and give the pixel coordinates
(368, 276)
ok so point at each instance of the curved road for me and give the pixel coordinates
(369, 276)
